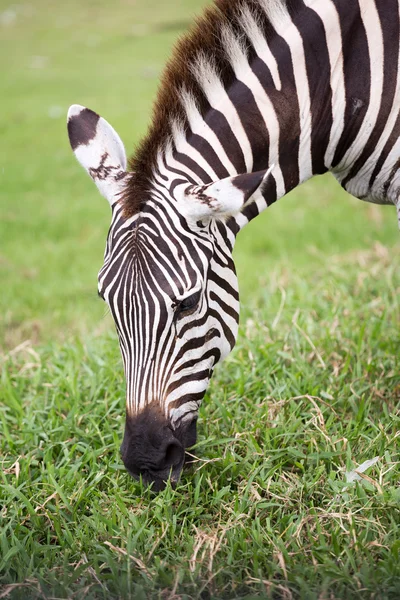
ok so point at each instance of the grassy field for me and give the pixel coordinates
(311, 391)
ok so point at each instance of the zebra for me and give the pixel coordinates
(258, 97)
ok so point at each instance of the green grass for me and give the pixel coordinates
(311, 390)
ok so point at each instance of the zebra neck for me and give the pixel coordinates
(306, 85)
(279, 107)
(308, 100)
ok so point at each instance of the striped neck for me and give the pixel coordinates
(292, 88)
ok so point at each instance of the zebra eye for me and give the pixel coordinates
(190, 302)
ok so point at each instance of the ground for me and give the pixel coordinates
(311, 391)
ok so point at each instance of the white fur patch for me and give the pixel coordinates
(217, 199)
(276, 12)
(221, 198)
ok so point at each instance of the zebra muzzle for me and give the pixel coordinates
(151, 450)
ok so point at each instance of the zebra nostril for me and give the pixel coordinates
(173, 455)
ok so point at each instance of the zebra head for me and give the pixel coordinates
(169, 281)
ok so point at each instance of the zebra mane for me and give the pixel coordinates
(206, 53)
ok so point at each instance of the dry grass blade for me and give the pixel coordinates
(370, 480)
(6, 590)
(139, 563)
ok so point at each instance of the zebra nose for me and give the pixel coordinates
(151, 451)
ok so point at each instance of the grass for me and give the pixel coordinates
(310, 392)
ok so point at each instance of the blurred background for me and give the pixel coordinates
(53, 223)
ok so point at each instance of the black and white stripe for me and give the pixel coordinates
(152, 264)
(294, 88)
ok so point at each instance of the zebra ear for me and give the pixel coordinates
(99, 149)
(222, 198)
